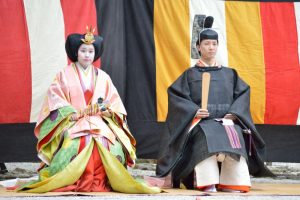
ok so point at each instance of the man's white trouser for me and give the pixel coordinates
(232, 172)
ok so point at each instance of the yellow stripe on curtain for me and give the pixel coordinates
(172, 47)
(245, 50)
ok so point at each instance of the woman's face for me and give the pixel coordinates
(86, 54)
(208, 48)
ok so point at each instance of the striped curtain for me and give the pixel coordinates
(147, 45)
(32, 38)
(258, 39)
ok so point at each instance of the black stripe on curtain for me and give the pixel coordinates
(129, 58)
(111, 26)
(141, 76)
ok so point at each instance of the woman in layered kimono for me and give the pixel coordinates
(83, 139)
(219, 148)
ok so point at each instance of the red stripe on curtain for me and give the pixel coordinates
(15, 66)
(78, 14)
(281, 61)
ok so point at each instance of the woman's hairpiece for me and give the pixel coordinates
(89, 36)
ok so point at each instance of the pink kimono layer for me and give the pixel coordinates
(66, 90)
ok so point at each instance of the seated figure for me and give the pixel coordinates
(211, 148)
(83, 139)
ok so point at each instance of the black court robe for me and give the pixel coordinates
(181, 150)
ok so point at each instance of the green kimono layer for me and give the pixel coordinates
(66, 166)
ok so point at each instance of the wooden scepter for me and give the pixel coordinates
(205, 89)
(204, 97)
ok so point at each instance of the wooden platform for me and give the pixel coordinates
(258, 189)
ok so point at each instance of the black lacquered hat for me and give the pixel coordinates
(207, 32)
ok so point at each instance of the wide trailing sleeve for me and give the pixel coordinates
(254, 142)
(241, 97)
(181, 111)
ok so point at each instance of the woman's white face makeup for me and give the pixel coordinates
(86, 55)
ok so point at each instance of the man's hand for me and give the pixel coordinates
(202, 113)
(230, 116)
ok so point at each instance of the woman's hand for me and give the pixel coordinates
(106, 113)
(89, 110)
(74, 117)
(202, 113)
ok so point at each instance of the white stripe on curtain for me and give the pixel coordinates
(298, 120)
(216, 9)
(47, 39)
(297, 14)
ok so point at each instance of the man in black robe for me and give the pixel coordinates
(229, 100)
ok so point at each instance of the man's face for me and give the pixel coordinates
(208, 48)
